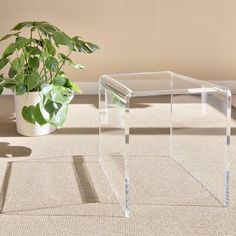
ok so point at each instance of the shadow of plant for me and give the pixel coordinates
(7, 151)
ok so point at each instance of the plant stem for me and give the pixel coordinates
(24, 59)
(43, 68)
(31, 34)
(63, 63)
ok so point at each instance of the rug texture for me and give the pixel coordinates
(55, 184)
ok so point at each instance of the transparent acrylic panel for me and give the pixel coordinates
(178, 136)
(58, 174)
(200, 124)
(112, 150)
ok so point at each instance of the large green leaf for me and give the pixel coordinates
(9, 50)
(16, 64)
(22, 42)
(39, 23)
(38, 116)
(58, 94)
(22, 60)
(75, 87)
(21, 25)
(10, 35)
(46, 108)
(50, 49)
(59, 80)
(48, 29)
(32, 81)
(63, 39)
(3, 62)
(52, 64)
(28, 114)
(92, 47)
(20, 78)
(84, 47)
(12, 72)
(72, 85)
(60, 116)
(34, 62)
(33, 50)
(10, 84)
(20, 89)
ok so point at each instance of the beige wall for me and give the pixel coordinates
(193, 37)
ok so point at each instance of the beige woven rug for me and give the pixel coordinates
(62, 190)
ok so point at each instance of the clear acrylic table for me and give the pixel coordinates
(164, 139)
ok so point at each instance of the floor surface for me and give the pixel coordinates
(54, 185)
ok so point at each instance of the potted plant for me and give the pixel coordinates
(35, 75)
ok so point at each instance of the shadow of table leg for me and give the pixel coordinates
(85, 184)
(5, 169)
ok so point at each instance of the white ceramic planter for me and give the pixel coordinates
(23, 127)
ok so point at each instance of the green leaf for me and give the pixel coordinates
(93, 47)
(24, 24)
(34, 62)
(51, 64)
(16, 64)
(20, 89)
(70, 84)
(38, 23)
(3, 62)
(48, 29)
(75, 87)
(84, 47)
(28, 114)
(20, 78)
(10, 84)
(46, 108)
(38, 116)
(59, 80)
(22, 60)
(9, 50)
(1, 88)
(1, 77)
(21, 25)
(62, 56)
(32, 81)
(58, 94)
(63, 39)
(50, 49)
(33, 50)
(61, 73)
(12, 72)
(22, 42)
(60, 117)
(10, 35)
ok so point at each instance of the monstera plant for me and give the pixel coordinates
(32, 68)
